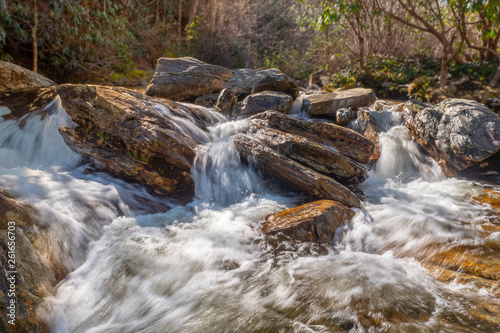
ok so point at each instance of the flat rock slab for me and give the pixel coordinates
(328, 104)
(346, 141)
(292, 174)
(14, 77)
(321, 158)
(313, 222)
(457, 133)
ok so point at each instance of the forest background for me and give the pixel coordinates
(383, 44)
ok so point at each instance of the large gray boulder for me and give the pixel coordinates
(329, 104)
(14, 77)
(457, 133)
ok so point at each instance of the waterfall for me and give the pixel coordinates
(140, 263)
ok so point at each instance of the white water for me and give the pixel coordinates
(206, 267)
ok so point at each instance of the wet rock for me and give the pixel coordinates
(313, 222)
(364, 125)
(263, 101)
(457, 133)
(226, 101)
(321, 158)
(346, 141)
(124, 133)
(345, 115)
(207, 101)
(292, 174)
(22, 101)
(14, 77)
(35, 277)
(182, 78)
(328, 104)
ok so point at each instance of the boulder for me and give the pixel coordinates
(345, 115)
(183, 78)
(313, 222)
(35, 277)
(457, 133)
(207, 101)
(131, 136)
(22, 101)
(293, 174)
(226, 101)
(14, 77)
(328, 104)
(321, 158)
(346, 141)
(263, 101)
(364, 125)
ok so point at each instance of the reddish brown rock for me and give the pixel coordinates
(312, 222)
(346, 141)
(293, 174)
(122, 132)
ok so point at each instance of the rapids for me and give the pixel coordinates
(143, 264)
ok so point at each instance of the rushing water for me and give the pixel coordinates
(141, 264)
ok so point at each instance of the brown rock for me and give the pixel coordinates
(263, 101)
(312, 222)
(293, 174)
(249, 81)
(14, 77)
(22, 101)
(321, 158)
(122, 132)
(182, 78)
(363, 124)
(35, 277)
(207, 101)
(328, 104)
(225, 101)
(346, 141)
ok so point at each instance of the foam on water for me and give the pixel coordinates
(206, 267)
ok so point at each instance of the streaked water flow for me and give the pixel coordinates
(206, 267)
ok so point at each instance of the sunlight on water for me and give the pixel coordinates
(206, 267)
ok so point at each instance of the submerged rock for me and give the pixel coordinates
(182, 78)
(292, 174)
(319, 157)
(263, 101)
(313, 222)
(329, 104)
(131, 136)
(346, 141)
(457, 133)
(14, 77)
(35, 277)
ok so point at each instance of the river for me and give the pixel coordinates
(140, 263)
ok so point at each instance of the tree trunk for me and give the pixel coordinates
(194, 10)
(495, 79)
(33, 36)
(443, 78)
(179, 27)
